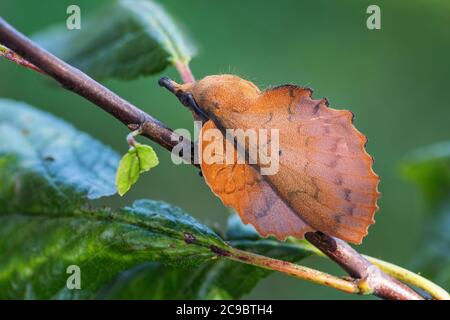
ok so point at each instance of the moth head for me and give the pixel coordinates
(216, 95)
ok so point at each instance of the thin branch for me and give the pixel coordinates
(369, 278)
(14, 57)
(294, 270)
(354, 286)
(391, 269)
(76, 81)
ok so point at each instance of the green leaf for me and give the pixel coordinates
(127, 39)
(46, 164)
(127, 173)
(218, 279)
(147, 157)
(139, 159)
(37, 248)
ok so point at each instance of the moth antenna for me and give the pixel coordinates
(186, 98)
(168, 83)
(191, 103)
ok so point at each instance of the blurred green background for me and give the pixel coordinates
(395, 80)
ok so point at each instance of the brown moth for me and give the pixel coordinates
(325, 180)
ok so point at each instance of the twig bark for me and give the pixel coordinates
(368, 277)
(14, 57)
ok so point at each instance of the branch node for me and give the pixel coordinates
(364, 286)
(133, 126)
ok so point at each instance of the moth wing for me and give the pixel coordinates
(325, 174)
(241, 186)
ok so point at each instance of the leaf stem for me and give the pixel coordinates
(15, 58)
(131, 137)
(295, 270)
(184, 71)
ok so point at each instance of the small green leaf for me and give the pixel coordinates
(127, 39)
(139, 159)
(147, 157)
(127, 173)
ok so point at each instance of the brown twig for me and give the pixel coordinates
(80, 83)
(369, 278)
